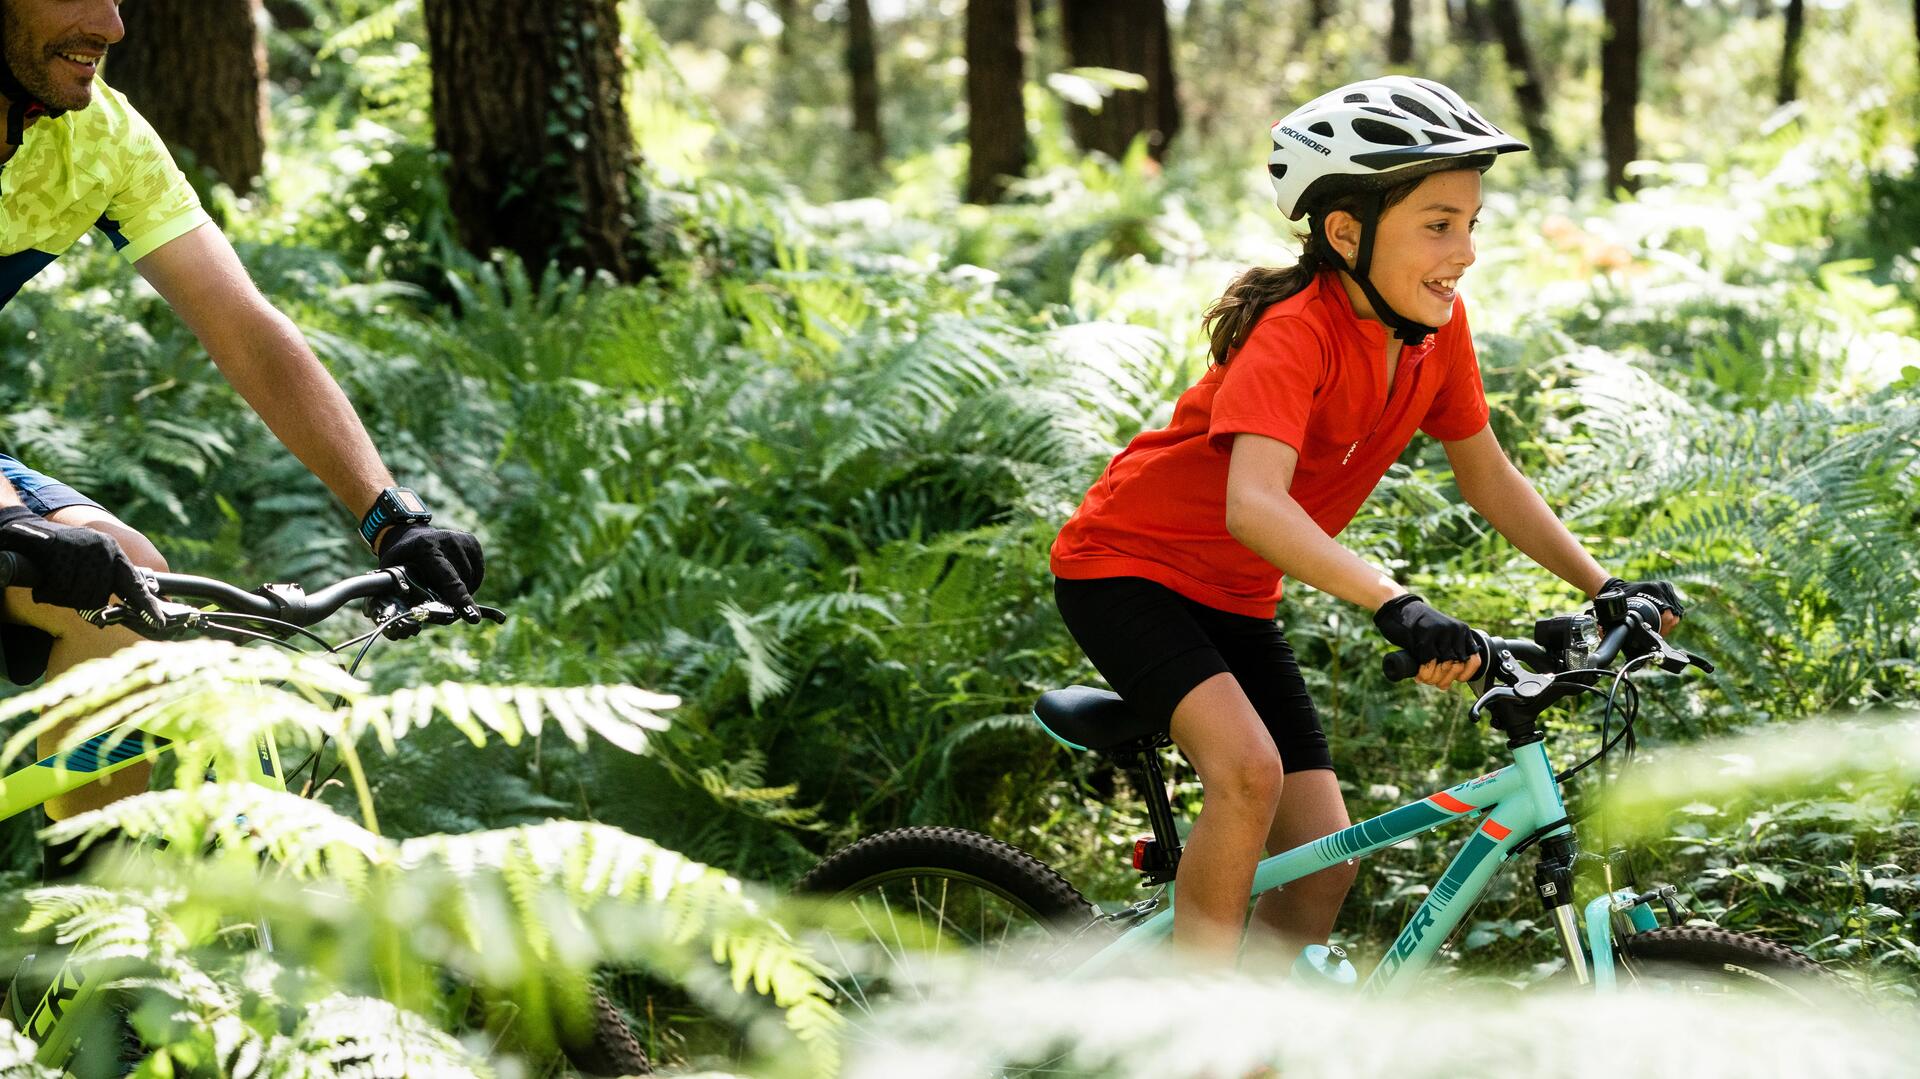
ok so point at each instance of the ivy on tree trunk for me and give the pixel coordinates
(529, 109)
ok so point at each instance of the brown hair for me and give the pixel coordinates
(1234, 315)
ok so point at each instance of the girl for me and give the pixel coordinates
(1169, 573)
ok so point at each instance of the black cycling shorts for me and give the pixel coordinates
(1154, 646)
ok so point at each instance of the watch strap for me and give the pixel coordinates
(396, 505)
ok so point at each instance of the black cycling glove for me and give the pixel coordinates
(1425, 633)
(78, 567)
(442, 561)
(1660, 592)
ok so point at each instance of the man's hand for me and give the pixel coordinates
(1661, 593)
(79, 567)
(447, 563)
(1445, 648)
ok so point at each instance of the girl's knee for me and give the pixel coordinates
(1255, 780)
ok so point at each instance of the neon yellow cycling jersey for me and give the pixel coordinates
(99, 167)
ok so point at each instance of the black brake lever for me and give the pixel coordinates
(179, 618)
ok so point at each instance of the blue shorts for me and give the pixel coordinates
(42, 493)
(23, 649)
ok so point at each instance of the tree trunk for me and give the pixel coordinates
(787, 10)
(864, 70)
(1473, 16)
(1620, 90)
(1319, 11)
(197, 69)
(1528, 90)
(1400, 34)
(1790, 51)
(529, 108)
(996, 110)
(1126, 35)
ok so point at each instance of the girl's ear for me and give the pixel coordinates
(1343, 231)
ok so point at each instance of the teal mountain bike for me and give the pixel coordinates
(929, 887)
(69, 1014)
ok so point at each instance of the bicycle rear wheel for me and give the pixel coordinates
(927, 892)
(1699, 959)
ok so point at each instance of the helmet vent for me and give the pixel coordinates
(1469, 126)
(1417, 109)
(1442, 135)
(1277, 170)
(1378, 111)
(1382, 134)
(1322, 128)
(1350, 98)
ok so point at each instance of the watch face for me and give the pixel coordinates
(409, 501)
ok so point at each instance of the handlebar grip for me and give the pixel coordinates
(1399, 666)
(17, 572)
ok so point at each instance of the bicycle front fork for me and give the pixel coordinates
(1553, 880)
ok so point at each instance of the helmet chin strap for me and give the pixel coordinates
(1404, 328)
(22, 105)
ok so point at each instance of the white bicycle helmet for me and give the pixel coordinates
(1373, 134)
(1366, 137)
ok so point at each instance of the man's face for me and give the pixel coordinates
(55, 46)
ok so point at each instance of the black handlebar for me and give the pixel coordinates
(1399, 666)
(283, 603)
(16, 573)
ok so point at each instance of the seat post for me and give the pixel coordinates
(1152, 784)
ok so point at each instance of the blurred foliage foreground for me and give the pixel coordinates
(807, 479)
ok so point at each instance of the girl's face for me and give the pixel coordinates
(1424, 246)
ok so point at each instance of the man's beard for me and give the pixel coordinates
(34, 70)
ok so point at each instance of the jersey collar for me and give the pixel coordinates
(1373, 335)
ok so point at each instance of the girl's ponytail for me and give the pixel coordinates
(1233, 316)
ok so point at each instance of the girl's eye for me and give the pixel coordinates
(1438, 226)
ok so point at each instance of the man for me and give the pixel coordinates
(78, 157)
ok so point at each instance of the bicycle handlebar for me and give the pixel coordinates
(285, 603)
(1639, 616)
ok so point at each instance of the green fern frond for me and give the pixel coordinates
(17, 1056)
(360, 1036)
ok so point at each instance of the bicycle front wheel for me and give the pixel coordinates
(925, 892)
(1699, 959)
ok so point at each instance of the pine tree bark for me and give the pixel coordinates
(1796, 22)
(1620, 90)
(1400, 34)
(1126, 35)
(197, 69)
(1528, 90)
(863, 68)
(530, 111)
(996, 108)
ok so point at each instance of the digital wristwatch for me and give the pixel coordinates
(395, 506)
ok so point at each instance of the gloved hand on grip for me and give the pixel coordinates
(79, 568)
(443, 561)
(1445, 648)
(1660, 592)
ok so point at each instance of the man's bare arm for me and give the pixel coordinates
(269, 363)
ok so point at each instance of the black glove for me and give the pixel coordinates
(1425, 633)
(442, 561)
(79, 567)
(1660, 592)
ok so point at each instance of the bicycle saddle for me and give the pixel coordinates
(1082, 717)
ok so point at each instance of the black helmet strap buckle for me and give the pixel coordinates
(1404, 328)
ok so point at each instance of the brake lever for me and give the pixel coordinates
(177, 617)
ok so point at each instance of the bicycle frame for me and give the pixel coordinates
(1512, 804)
(52, 1020)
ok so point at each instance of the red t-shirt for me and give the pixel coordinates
(1313, 375)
